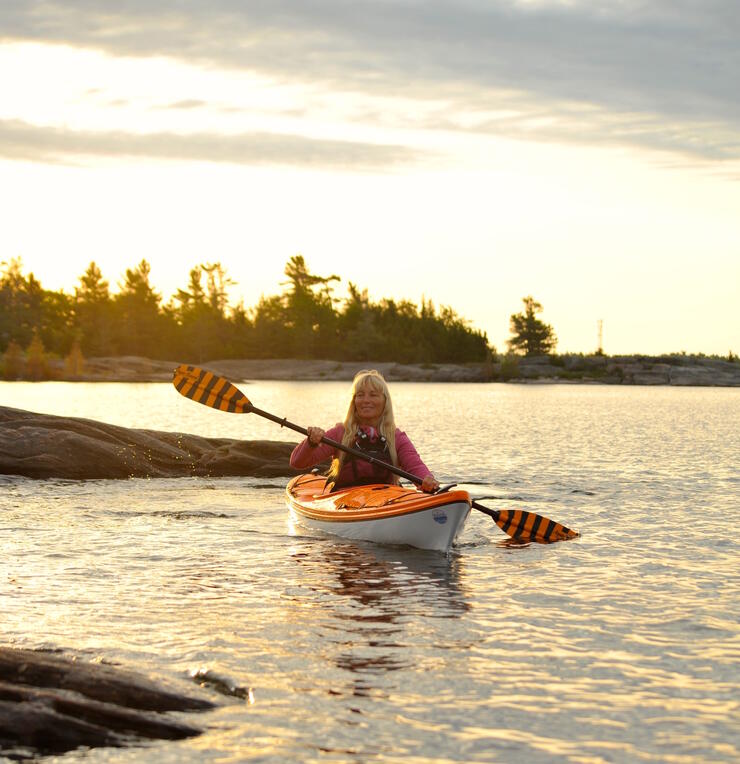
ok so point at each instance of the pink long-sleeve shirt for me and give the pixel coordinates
(304, 456)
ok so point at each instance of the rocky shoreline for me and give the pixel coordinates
(46, 446)
(676, 369)
(51, 704)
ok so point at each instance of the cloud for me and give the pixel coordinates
(186, 103)
(671, 68)
(23, 141)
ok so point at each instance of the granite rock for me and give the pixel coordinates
(52, 704)
(45, 446)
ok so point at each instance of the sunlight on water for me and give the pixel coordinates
(621, 646)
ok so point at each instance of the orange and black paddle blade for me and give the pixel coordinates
(210, 389)
(528, 526)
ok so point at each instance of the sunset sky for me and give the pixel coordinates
(469, 151)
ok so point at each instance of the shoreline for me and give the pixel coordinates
(676, 370)
(43, 446)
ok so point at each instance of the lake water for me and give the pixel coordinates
(621, 646)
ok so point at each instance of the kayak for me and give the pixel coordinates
(384, 514)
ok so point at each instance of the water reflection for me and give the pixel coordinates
(378, 599)
(624, 646)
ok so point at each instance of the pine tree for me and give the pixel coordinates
(139, 318)
(36, 367)
(530, 334)
(13, 361)
(309, 308)
(94, 313)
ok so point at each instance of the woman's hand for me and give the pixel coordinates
(315, 434)
(429, 484)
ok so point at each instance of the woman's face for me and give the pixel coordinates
(369, 405)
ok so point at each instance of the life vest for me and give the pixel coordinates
(373, 444)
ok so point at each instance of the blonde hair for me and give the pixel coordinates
(373, 380)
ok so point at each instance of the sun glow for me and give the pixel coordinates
(117, 158)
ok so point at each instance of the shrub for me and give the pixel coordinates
(36, 366)
(74, 363)
(12, 361)
(509, 366)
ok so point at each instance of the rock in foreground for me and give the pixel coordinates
(49, 704)
(46, 446)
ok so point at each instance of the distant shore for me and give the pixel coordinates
(679, 370)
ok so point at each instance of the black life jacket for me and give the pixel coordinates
(378, 449)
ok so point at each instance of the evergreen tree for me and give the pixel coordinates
(27, 308)
(21, 299)
(360, 339)
(204, 328)
(217, 282)
(36, 366)
(304, 320)
(309, 309)
(13, 361)
(273, 338)
(57, 321)
(529, 333)
(139, 322)
(94, 313)
(191, 317)
(242, 340)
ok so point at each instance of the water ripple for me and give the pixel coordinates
(621, 646)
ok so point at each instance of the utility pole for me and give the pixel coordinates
(600, 325)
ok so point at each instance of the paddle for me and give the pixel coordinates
(210, 389)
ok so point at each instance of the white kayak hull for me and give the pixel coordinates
(380, 514)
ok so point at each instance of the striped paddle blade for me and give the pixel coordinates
(210, 389)
(528, 526)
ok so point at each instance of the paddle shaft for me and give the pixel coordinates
(336, 444)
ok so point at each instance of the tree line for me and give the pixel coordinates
(305, 320)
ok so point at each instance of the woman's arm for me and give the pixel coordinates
(410, 461)
(306, 455)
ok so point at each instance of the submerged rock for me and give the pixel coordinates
(50, 704)
(47, 446)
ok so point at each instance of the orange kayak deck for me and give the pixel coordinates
(308, 495)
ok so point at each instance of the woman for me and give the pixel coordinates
(368, 427)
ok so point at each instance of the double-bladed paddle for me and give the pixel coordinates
(212, 390)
